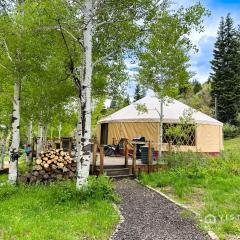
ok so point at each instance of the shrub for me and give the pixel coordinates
(98, 188)
(230, 131)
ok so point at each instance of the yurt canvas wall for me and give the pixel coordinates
(208, 138)
(129, 123)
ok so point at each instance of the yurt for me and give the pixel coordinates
(143, 117)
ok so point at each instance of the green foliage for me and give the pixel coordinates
(197, 86)
(201, 100)
(165, 61)
(230, 131)
(100, 188)
(42, 211)
(141, 108)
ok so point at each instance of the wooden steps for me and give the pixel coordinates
(117, 171)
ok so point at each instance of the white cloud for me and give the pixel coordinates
(200, 61)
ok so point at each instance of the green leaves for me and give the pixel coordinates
(164, 60)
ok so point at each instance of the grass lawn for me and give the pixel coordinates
(232, 144)
(208, 185)
(57, 211)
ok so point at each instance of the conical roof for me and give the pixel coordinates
(172, 111)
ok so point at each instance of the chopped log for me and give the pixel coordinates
(46, 165)
(50, 166)
(42, 172)
(38, 167)
(38, 161)
(61, 165)
(33, 179)
(45, 176)
(35, 173)
(53, 166)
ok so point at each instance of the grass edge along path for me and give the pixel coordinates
(210, 233)
(208, 185)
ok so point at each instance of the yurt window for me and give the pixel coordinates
(179, 134)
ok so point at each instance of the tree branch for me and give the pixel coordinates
(7, 50)
(71, 66)
(106, 56)
(4, 67)
(103, 58)
(70, 34)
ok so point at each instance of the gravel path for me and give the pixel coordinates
(148, 215)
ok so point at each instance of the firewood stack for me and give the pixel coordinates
(51, 166)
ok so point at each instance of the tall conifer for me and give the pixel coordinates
(225, 76)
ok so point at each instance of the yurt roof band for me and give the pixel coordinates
(172, 111)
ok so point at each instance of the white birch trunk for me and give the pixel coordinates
(40, 139)
(4, 146)
(14, 148)
(3, 150)
(79, 145)
(84, 149)
(51, 133)
(161, 129)
(59, 131)
(45, 137)
(30, 132)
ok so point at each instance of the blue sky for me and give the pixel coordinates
(205, 40)
(200, 61)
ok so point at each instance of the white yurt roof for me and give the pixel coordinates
(172, 111)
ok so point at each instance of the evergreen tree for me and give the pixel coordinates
(197, 86)
(225, 76)
(140, 92)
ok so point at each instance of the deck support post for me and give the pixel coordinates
(126, 152)
(150, 160)
(101, 148)
(94, 162)
(134, 159)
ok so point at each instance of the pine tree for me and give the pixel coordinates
(197, 86)
(140, 92)
(225, 76)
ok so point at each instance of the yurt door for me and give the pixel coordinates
(104, 133)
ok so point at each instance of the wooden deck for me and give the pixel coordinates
(118, 160)
(111, 162)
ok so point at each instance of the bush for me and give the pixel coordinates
(98, 188)
(230, 131)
